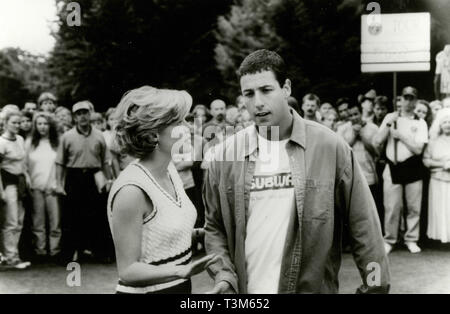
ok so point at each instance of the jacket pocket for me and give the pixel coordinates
(319, 200)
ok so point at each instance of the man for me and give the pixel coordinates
(406, 136)
(342, 108)
(442, 77)
(30, 107)
(83, 159)
(47, 102)
(216, 125)
(276, 206)
(310, 107)
(359, 135)
(367, 105)
(380, 109)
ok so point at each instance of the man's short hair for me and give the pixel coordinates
(343, 100)
(312, 96)
(383, 101)
(264, 60)
(354, 104)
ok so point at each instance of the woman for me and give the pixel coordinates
(151, 217)
(437, 158)
(423, 111)
(26, 124)
(41, 156)
(13, 188)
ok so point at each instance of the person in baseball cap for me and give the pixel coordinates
(409, 91)
(85, 104)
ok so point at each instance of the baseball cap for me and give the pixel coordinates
(409, 90)
(81, 105)
(372, 94)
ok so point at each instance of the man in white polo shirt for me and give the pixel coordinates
(406, 136)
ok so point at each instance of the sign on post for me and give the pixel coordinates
(395, 42)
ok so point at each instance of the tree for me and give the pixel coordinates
(122, 45)
(248, 27)
(320, 42)
(23, 76)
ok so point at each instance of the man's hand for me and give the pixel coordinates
(396, 134)
(391, 117)
(222, 287)
(60, 189)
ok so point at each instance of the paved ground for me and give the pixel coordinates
(427, 272)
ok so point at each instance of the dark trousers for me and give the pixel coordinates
(84, 216)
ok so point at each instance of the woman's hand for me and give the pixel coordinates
(198, 266)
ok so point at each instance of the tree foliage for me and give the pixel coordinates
(121, 45)
(23, 76)
(320, 42)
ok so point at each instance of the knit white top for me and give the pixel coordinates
(167, 230)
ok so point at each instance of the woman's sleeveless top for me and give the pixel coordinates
(167, 230)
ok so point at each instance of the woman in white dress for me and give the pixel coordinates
(437, 158)
(151, 217)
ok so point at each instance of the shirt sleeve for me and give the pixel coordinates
(215, 233)
(355, 201)
(422, 132)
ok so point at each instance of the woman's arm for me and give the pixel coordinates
(129, 207)
(428, 160)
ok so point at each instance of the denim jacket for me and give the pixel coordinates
(330, 191)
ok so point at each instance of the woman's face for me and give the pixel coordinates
(42, 126)
(330, 121)
(435, 108)
(421, 111)
(112, 122)
(25, 124)
(13, 125)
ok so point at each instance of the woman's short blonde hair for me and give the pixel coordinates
(143, 112)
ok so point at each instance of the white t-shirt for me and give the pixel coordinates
(12, 155)
(410, 127)
(41, 163)
(272, 201)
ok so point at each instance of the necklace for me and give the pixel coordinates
(9, 138)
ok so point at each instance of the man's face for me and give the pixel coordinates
(30, 107)
(48, 106)
(309, 107)
(265, 99)
(218, 110)
(343, 111)
(25, 124)
(380, 111)
(409, 102)
(367, 106)
(82, 117)
(354, 115)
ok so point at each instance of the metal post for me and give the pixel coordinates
(395, 109)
